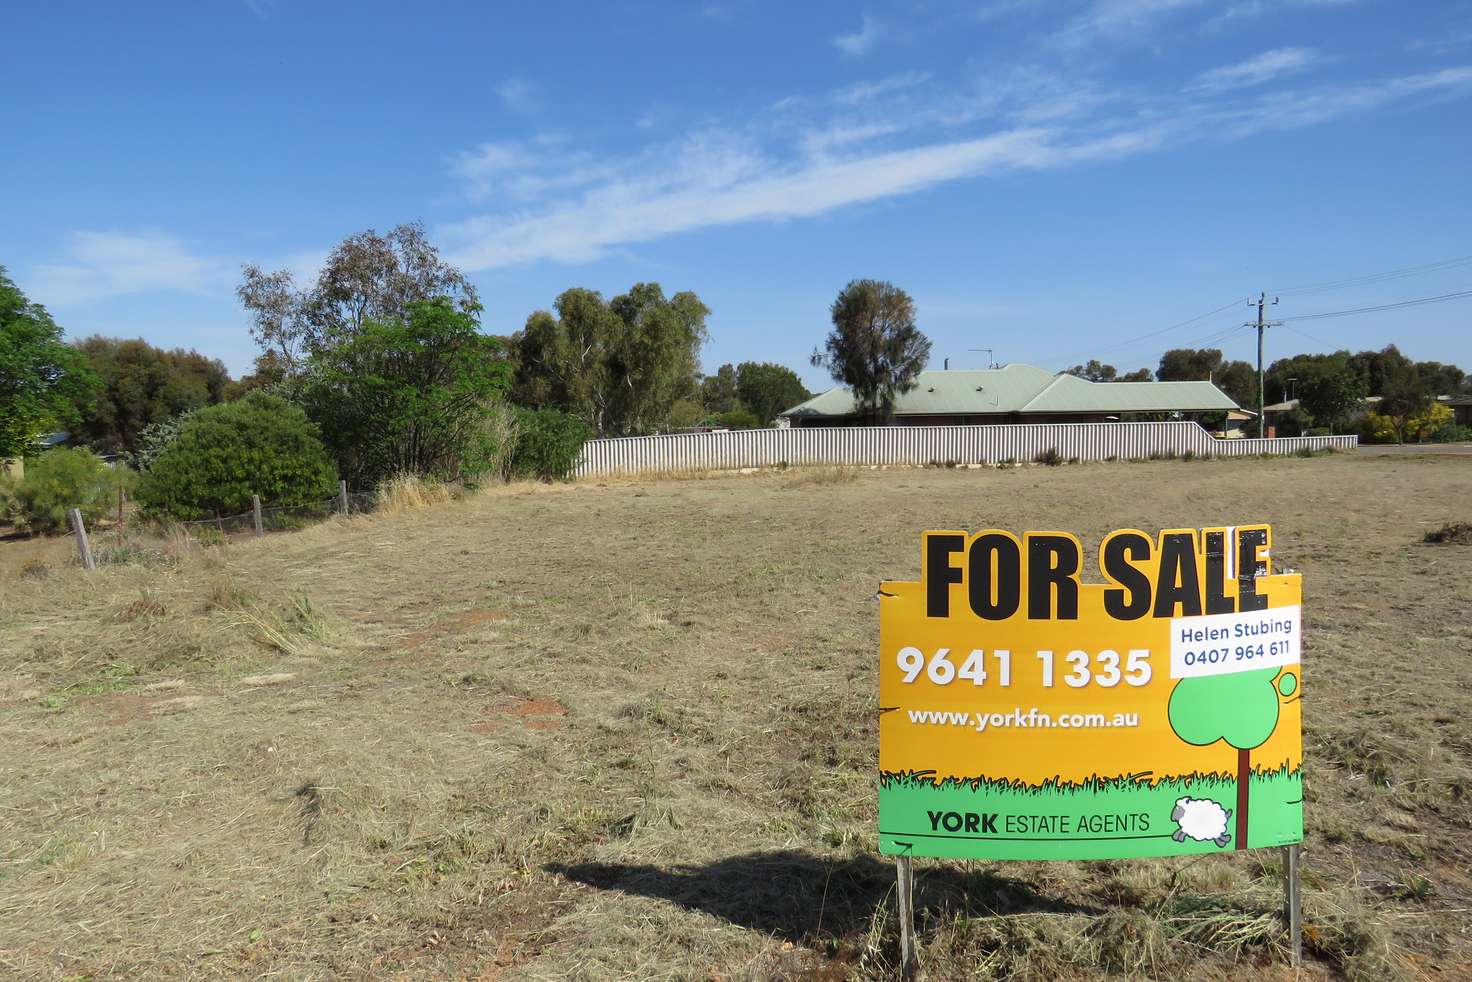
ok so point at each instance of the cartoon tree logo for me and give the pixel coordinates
(1241, 708)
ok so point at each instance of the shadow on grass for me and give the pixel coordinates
(810, 900)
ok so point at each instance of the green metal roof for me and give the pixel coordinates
(997, 390)
(1019, 388)
(1070, 394)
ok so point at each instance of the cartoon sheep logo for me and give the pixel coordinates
(1201, 819)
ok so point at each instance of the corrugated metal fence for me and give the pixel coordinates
(920, 445)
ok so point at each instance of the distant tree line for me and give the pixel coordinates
(1096, 371)
(377, 367)
(380, 367)
(1331, 389)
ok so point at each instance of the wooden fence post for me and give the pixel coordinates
(255, 507)
(342, 497)
(79, 529)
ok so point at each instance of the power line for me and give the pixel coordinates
(1384, 306)
(1262, 325)
(1393, 274)
(1153, 334)
(1336, 284)
(1315, 340)
(1214, 338)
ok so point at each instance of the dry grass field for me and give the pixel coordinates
(627, 730)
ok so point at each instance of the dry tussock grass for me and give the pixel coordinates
(406, 492)
(628, 731)
(822, 477)
(1451, 532)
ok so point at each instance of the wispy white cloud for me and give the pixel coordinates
(650, 118)
(1297, 109)
(1243, 11)
(709, 191)
(824, 140)
(519, 95)
(721, 10)
(519, 169)
(570, 207)
(1256, 70)
(859, 42)
(98, 265)
(304, 265)
(483, 167)
(1021, 94)
(1443, 43)
(1113, 20)
(852, 95)
(999, 9)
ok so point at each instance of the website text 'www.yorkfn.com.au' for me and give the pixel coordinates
(1020, 718)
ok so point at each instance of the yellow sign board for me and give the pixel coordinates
(1026, 714)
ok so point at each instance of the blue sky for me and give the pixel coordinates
(1050, 180)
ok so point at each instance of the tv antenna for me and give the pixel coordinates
(990, 363)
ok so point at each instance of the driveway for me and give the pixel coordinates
(1391, 449)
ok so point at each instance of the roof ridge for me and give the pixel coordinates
(1055, 380)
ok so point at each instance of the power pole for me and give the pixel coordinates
(1261, 325)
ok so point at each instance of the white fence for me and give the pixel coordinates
(920, 445)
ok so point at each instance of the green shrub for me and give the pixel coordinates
(1452, 433)
(413, 394)
(60, 479)
(1051, 457)
(223, 454)
(154, 438)
(208, 535)
(738, 419)
(548, 444)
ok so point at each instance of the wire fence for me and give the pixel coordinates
(149, 542)
(279, 518)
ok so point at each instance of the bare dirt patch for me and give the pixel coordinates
(454, 624)
(538, 714)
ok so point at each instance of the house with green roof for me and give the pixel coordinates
(1020, 393)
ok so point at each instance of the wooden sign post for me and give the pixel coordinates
(1029, 715)
(905, 888)
(1293, 888)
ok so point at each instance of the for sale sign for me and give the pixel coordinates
(1026, 714)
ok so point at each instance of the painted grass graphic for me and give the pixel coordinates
(1132, 815)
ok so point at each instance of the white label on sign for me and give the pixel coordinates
(1219, 644)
